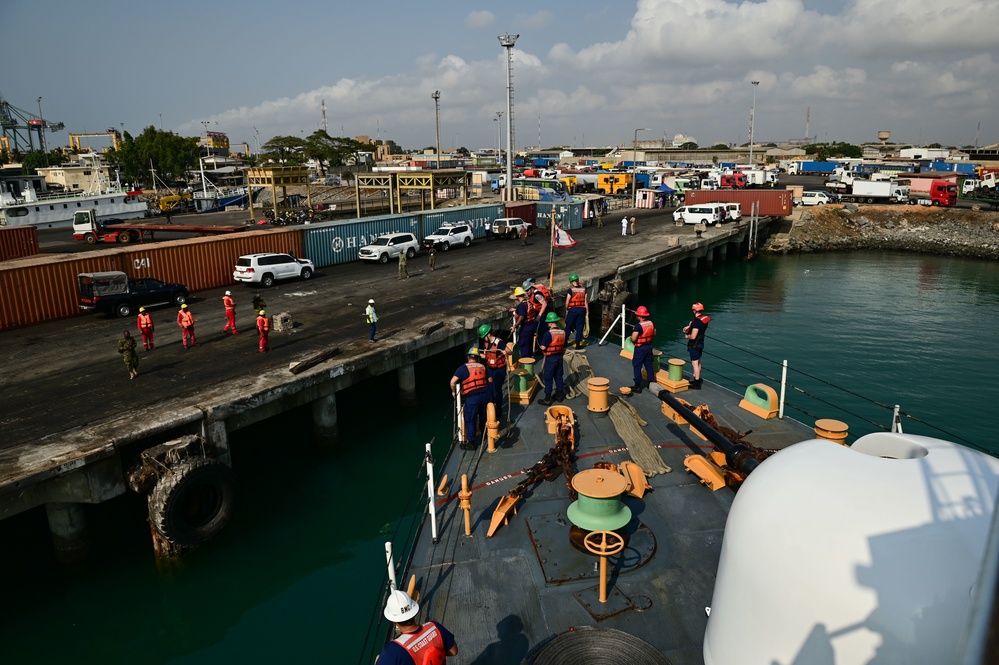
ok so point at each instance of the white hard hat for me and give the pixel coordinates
(371, 301)
(228, 293)
(400, 607)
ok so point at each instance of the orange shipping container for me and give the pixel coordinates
(18, 241)
(43, 287)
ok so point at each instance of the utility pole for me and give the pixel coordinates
(437, 122)
(634, 162)
(41, 129)
(752, 120)
(507, 42)
(499, 135)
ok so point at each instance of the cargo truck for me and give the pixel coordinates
(931, 192)
(812, 168)
(88, 228)
(869, 191)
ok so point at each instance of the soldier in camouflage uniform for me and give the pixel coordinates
(126, 347)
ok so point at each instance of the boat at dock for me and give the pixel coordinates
(785, 546)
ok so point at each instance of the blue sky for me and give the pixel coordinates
(590, 71)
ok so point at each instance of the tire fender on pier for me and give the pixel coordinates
(190, 505)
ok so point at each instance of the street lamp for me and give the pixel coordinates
(41, 128)
(634, 161)
(437, 122)
(752, 121)
(507, 42)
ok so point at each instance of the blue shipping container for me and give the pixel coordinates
(476, 216)
(330, 243)
(569, 215)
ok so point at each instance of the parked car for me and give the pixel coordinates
(115, 293)
(817, 198)
(265, 268)
(448, 236)
(509, 227)
(390, 246)
(702, 213)
(734, 211)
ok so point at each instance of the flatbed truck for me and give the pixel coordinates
(88, 228)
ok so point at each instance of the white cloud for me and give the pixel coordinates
(535, 21)
(479, 19)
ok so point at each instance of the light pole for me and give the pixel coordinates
(161, 121)
(507, 41)
(437, 122)
(499, 135)
(634, 162)
(41, 128)
(752, 121)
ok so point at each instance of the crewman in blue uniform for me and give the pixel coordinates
(642, 337)
(553, 346)
(429, 643)
(577, 310)
(471, 380)
(524, 323)
(494, 355)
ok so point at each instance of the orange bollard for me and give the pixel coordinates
(492, 428)
(465, 503)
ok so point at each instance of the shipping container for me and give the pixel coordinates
(332, 243)
(527, 211)
(773, 202)
(569, 215)
(476, 216)
(18, 241)
(43, 287)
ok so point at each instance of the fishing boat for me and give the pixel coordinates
(27, 200)
(213, 197)
(698, 526)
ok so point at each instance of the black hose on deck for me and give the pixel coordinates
(737, 455)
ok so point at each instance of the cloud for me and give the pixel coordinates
(535, 21)
(480, 19)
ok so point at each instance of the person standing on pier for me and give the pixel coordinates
(494, 354)
(403, 272)
(126, 347)
(145, 324)
(523, 236)
(471, 381)
(416, 644)
(577, 310)
(553, 346)
(185, 319)
(624, 226)
(642, 337)
(632, 224)
(433, 257)
(695, 332)
(230, 314)
(525, 323)
(264, 328)
(372, 318)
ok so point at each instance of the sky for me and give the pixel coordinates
(584, 72)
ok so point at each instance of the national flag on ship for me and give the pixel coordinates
(561, 238)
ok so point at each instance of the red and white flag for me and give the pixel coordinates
(562, 239)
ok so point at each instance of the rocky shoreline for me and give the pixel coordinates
(926, 230)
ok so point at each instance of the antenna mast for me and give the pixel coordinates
(326, 129)
(808, 120)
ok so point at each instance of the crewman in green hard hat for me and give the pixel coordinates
(471, 381)
(494, 355)
(577, 310)
(553, 347)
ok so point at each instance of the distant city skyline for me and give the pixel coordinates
(583, 74)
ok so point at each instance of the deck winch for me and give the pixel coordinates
(599, 506)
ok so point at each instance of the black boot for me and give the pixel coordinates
(636, 389)
(546, 401)
(695, 384)
(559, 396)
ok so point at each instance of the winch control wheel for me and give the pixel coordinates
(194, 502)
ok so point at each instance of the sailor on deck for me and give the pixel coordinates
(427, 644)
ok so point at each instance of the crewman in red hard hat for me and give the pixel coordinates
(427, 644)
(642, 337)
(695, 332)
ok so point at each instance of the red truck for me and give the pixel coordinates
(931, 192)
(88, 228)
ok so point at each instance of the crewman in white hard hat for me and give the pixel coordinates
(230, 314)
(416, 644)
(372, 318)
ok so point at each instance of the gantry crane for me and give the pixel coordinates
(18, 125)
(74, 139)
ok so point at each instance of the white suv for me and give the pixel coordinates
(448, 236)
(263, 269)
(390, 246)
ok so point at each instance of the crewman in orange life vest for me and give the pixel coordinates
(642, 337)
(474, 387)
(427, 644)
(525, 323)
(264, 328)
(553, 346)
(577, 309)
(185, 319)
(494, 355)
(145, 324)
(230, 314)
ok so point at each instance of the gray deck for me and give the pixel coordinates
(492, 592)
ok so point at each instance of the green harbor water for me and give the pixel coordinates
(297, 574)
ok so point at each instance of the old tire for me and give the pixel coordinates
(410, 253)
(445, 246)
(192, 504)
(179, 299)
(467, 242)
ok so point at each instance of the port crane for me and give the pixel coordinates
(74, 139)
(19, 126)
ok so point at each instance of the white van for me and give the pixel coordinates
(734, 211)
(702, 213)
(816, 198)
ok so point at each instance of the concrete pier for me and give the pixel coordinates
(68, 524)
(324, 419)
(407, 385)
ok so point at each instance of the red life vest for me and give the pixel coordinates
(185, 318)
(703, 319)
(531, 312)
(476, 378)
(228, 302)
(557, 346)
(425, 646)
(648, 332)
(577, 297)
(263, 323)
(145, 321)
(495, 357)
(540, 298)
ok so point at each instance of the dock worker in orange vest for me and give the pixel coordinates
(642, 337)
(552, 344)
(471, 380)
(426, 644)
(185, 319)
(145, 324)
(264, 328)
(230, 314)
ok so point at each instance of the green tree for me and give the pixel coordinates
(36, 159)
(171, 156)
(934, 145)
(331, 151)
(689, 145)
(719, 146)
